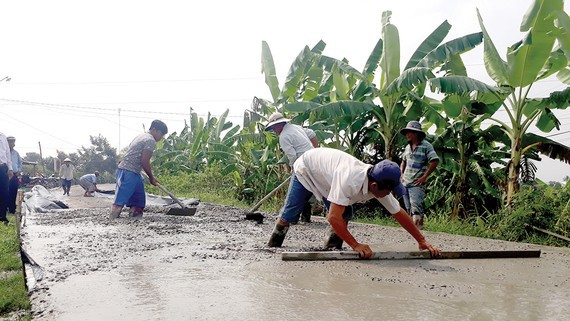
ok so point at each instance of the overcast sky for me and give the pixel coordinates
(74, 64)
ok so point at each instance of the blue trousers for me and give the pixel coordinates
(4, 181)
(297, 197)
(414, 200)
(129, 190)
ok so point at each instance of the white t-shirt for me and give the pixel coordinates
(295, 140)
(339, 177)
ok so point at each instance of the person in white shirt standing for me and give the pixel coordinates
(341, 180)
(14, 183)
(294, 141)
(66, 173)
(6, 174)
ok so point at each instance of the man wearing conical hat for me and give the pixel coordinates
(294, 141)
(66, 173)
(418, 162)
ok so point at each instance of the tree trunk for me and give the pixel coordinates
(514, 170)
(460, 195)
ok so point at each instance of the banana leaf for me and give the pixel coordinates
(429, 44)
(268, 69)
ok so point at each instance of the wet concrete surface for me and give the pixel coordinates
(215, 266)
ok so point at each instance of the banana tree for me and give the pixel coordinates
(544, 51)
(194, 147)
(395, 87)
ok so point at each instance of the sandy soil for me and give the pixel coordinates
(215, 265)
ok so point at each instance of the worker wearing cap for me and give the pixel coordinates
(89, 183)
(14, 183)
(341, 180)
(294, 140)
(6, 174)
(66, 173)
(418, 162)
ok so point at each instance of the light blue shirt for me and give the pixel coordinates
(16, 161)
(90, 178)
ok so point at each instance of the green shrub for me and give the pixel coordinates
(539, 206)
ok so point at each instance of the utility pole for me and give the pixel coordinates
(41, 157)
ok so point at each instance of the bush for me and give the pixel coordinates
(538, 206)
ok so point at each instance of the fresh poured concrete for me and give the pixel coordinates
(215, 266)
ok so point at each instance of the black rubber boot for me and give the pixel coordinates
(306, 214)
(333, 242)
(278, 236)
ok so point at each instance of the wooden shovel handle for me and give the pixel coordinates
(170, 194)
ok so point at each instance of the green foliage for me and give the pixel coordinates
(9, 250)
(13, 295)
(100, 156)
(194, 185)
(539, 206)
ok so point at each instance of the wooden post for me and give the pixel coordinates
(41, 158)
(417, 255)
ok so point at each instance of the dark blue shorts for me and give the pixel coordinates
(129, 189)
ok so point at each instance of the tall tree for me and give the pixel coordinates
(100, 156)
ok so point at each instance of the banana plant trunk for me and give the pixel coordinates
(514, 169)
(460, 194)
(389, 148)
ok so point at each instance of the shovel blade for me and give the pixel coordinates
(187, 211)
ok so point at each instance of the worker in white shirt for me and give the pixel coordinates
(294, 140)
(6, 174)
(341, 180)
(66, 173)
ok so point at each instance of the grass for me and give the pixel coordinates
(13, 295)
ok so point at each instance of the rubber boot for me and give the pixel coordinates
(278, 235)
(418, 221)
(306, 214)
(333, 241)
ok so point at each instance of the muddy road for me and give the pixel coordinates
(215, 266)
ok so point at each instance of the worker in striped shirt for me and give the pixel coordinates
(418, 162)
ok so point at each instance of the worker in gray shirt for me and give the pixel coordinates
(294, 141)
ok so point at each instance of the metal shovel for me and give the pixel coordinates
(183, 211)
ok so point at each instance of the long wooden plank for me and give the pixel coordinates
(351, 255)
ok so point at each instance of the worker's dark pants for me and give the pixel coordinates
(12, 193)
(66, 184)
(3, 192)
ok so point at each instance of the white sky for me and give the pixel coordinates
(73, 64)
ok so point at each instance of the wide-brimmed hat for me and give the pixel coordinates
(11, 138)
(413, 126)
(274, 119)
(67, 160)
(387, 174)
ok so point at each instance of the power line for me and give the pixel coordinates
(109, 111)
(136, 81)
(37, 129)
(562, 133)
